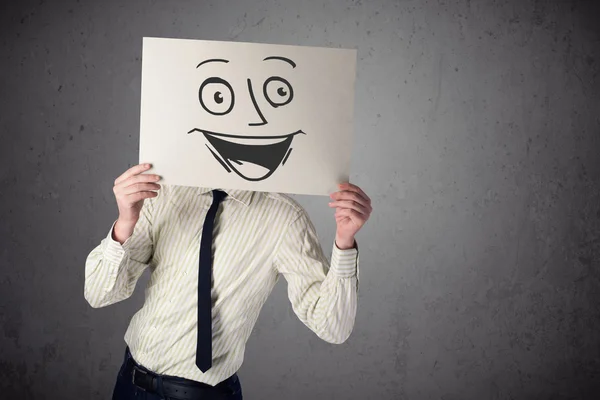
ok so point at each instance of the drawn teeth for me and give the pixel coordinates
(254, 141)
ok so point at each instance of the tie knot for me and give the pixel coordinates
(218, 195)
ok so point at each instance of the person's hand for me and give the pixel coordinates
(353, 209)
(131, 189)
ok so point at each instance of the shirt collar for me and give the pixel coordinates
(243, 196)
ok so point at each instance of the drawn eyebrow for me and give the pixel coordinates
(212, 60)
(287, 60)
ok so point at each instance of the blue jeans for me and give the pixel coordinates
(125, 389)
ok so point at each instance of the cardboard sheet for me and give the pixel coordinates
(246, 115)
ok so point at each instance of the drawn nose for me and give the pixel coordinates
(256, 107)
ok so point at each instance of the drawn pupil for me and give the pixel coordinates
(278, 91)
(218, 97)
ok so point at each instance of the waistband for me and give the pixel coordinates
(165, 384)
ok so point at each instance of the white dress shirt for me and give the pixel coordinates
(258, 236)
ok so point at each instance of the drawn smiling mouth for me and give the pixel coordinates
(253, 158)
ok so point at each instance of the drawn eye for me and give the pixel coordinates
(216, 96)
(278, 91)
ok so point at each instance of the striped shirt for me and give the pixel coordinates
(258, 236)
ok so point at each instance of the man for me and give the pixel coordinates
(214, 257)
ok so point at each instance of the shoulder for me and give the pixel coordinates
(281, 200)
(171, 191)
(293, 216)
(279, 203)
(170, 196)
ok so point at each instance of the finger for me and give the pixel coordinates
(338, 219)
(352, 196)
(353, 215)
(348, 189)
(133, 180)
(353, 188)
(141, 178)
(134, 198)
(140, 187)
(136, 169)
(350, 205)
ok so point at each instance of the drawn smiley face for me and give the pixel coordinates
(252, 157)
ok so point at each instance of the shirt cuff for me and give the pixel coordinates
(113, 250)
(344, 263)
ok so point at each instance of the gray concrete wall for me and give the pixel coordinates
(477, 136)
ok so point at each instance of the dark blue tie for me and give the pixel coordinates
(204, 345)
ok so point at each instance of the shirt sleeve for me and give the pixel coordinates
(323, 294)
(112, 270)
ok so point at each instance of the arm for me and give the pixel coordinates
(112, 269)
(323, 295)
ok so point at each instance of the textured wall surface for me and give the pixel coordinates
(477, 136)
